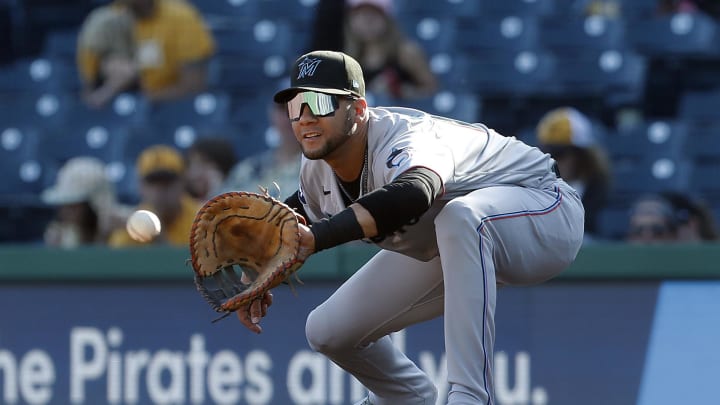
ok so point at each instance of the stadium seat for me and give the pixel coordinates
(42, 110)
(518, 7)
(613, 222)
(651, 139)
(227, 12)
(700, 106)
(39, 74)
(704, 182)
(432, 33)
(511, 33)
(61, 44)
(60, 144)
(616, 75)
(703, 142)
(294, 11)
(650, 175)
(681, 34)
(462, 9)
(202, 109)
(22, 173)
(513, 74)
(240, 74)
(262, 38)
(570, 35)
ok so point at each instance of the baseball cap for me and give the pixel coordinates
(327, 72)
(160, 162)
(80, 179)
(565, 126)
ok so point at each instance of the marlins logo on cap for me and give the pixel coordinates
(325, 72)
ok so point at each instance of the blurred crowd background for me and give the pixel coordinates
(110, 106)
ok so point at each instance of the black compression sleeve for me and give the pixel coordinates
(403, 200)
(294, 202)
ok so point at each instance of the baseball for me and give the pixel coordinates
(143, 225)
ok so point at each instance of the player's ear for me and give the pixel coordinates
(360, 106)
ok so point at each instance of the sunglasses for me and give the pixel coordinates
(320, 104)
(654, 230)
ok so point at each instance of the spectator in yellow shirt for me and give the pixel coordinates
(161, 171)
(171, 48)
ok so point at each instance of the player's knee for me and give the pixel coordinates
(319, 333)
(455, 216)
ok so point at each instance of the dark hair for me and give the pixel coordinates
(218, 149)
(687, 207)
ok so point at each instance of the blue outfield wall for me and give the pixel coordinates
(635, 326)
(561, 343)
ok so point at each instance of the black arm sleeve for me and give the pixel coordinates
(402, 201)
(391, 206)
(294, 202)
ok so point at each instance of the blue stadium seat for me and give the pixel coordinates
(22, 173)
(44, 109)
(700, 106)
(618, 75)
(295, 11)
(518, 74)
(509, 33)
(227, 12)
(703, 143)
(652, 139)
(450, 69)
(61, 44)
(240, 74)
(681, 34)
(39, 75)
(518, 7)
(613, 221)
(650, 175)
(465, 9)
(203, 109)
(704, 182)
(432, 33)
(568, 35)
(60, 144)
(262, 38)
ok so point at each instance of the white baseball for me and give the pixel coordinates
(143, 225)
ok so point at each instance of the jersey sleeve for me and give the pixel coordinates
(415, 148)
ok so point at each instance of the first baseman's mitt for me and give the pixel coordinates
(254, 232)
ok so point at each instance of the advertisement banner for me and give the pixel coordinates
(560, 343)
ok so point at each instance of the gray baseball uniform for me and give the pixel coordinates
(504, 218)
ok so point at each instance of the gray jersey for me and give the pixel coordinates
(466, 157)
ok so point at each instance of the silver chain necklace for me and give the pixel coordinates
(363, 179)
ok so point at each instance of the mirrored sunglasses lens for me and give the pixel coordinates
(320, 104)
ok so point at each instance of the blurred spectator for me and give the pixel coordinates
(568, 136)
(161, 172)
(709, 7)
(164, 45)
(209, 161)
(280, 164)
(105, 54)
(393, 64)
(695, 221)
(327, 28)
(652, 220)
(602, 8)
(85, 201)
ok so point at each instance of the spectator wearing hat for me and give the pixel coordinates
(161, 171)
(652, 220)
(85, 201)
(568, 136)
(393, 64)
(695, 220)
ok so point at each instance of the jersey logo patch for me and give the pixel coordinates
(307, 67)
(398, 156)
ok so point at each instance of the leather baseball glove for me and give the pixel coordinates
(242, 244)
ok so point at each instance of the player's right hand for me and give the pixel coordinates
(252, 313)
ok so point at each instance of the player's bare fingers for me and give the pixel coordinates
(256, 311)
(244, 317)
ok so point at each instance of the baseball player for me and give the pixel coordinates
(456, 208)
